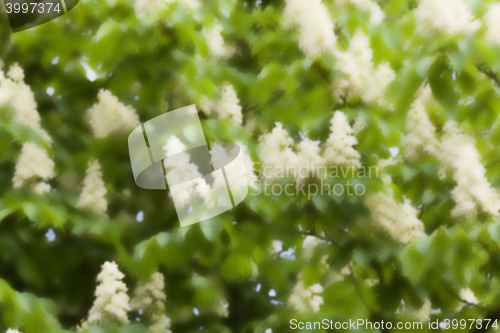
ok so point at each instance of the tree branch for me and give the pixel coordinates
(488, 72)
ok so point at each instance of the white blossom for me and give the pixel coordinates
(227, 108)
(150, 298)
(360, 78)
(460, 157)
(16, 94)
(10, 330)
(33, 168)
(110, 116)
(112, 302)
(399, 220)
(308, 158)
(249, 166)
(423, 314)
(308, 246)
(492, 18)
(215, 41)
(275, 152)
(340, 143)
(451, 17)
(93, 192)
(421, 139)
(306, 300)
(468, 296)
(377, 15)
(315, 26)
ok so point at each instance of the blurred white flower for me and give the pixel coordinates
(215, 41)
(468, 296)
(93, 192)
(227, 108)
(309, 158)
(110, 116)
(33, 165)
(16, 94)
(112, 302)
(423, 314)
(421, 139)
(315, 26)
(399, 220)
(144, 8)
(275, 153)
(10, 330)
(340, 143)
(306, 300)
(460, 157)
(492, 18)
(360, 78)
(451, 17)
(150, 298)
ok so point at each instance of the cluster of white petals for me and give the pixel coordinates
(450, 17)
(361, 79)
(340, 143)
(460, 157)
(377, 15)
(150, 298)
(306, 300)
(492, 18)
(18, 95)
(249, 166)
(10, 330)
(93, 192)
(33, 168)
(227, 107)
(112, 302)
(180, 169)
(109, 115)
(279, 159)
(316, 28)
(421, 139)
(276, 152)
(215, 41)
(144, 8)
(468, 296)
(399, 220)
(423, 314)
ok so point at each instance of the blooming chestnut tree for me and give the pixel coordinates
(369, 130)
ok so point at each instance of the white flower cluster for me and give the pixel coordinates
(421, 139)
(249, 166)
(460, 157)
(150, 298)
(361, 79)
(112, 302)
(215, 41)
(33, 168)
(340, 143)
(109, 116)
(144, 8)
(227, 108)
(93, 192)
(276, 150)
(10, 330)
(450, 17)
(423, 314)
(179, 169)
(399, 220)
(306, 300)
(377, 15)
(468, 296)
(16, 94)
(493, 24)
(315, 24)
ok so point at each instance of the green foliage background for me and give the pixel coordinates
(48, 286)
